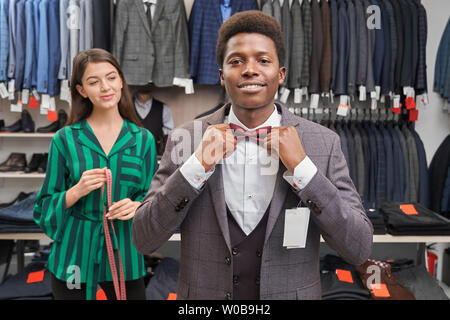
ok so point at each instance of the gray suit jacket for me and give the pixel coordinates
(155, 56)
(297, 50)
(337, 214)
(86, 25)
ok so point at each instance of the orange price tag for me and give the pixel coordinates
(101, 295)
(172, 296)
(408, 209)
(33, 103)
(380, 290)
(344, 275)
(52, 115)
(37, 276)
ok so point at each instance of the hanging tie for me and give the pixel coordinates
(149, 14)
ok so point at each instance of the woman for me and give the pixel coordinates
(102, 133)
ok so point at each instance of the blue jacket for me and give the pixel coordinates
(204, 23)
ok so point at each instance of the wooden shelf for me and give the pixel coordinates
(26, 135)
(22, 175)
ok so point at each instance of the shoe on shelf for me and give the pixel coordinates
(43, 164)
(55, 125)
(33, 165)
(15, 162)
(15, 127)
(27, 122)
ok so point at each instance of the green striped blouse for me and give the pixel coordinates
(79, 241)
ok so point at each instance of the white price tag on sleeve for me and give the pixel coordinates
(296, 223)
(298, 97)
(285, 95)
(25, 96)
(314, 101)
(3, 91)
(362, 93)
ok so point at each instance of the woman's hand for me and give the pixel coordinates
(90, 180)
(123, 209)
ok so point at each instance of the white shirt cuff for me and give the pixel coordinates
(303, 173)
(194, 172)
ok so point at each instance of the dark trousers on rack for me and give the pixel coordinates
(135, 290)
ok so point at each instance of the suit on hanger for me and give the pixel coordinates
(424, 198)
(393, 44)
(276, 7)
(298, 46)
(372, 199)
(360, 161)
(380, 187)
(4, 39)
(12, 38)
(398, 174)
(266, 7)
(325, 66)
(404, 148)
(316, 49)
(400, 45)
(307, 29)
(352, 44)
(30, 52)
(54, 48)
(74, 33)
(361, 40)
(415, 41)
(370, 80)
(36, 17)
(387, 140)
(413, 159)
(204, 22)
(43, 49)
(378, 52)
(386, 68)
(286, 27)
(64, 40)
(20, 44)
(86, 40)
(441, 60)
(205, 271)
(407, 61)
(421, 77)
(334, 42)
(343, 49)
(101, 15)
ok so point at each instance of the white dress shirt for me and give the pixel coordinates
(143, 109)
(249, 176)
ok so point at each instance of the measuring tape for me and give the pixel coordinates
(119, 286)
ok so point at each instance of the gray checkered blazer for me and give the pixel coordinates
(152, 56)
(336, 214)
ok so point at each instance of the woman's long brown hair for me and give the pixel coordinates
(81, 107)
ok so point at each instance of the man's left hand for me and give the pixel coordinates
(285, 143)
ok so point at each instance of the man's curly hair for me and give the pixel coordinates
(252, 21)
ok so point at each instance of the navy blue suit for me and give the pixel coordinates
(378, 53)
(380, 186)
(389, 162)
(54, 49)
(399, 174)
(204, 22)
(424, 197)
(20, 44)
(373, 163)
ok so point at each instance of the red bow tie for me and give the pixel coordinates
(257, 135)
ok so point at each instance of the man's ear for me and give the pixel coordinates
(81, 91)
(282, 75)
(221, 77)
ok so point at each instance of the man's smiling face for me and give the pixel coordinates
(251, 73)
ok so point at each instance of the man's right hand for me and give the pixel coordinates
(218, 142)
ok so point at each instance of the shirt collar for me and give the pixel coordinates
(274, 120)
(150, 1)
(145, 105)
